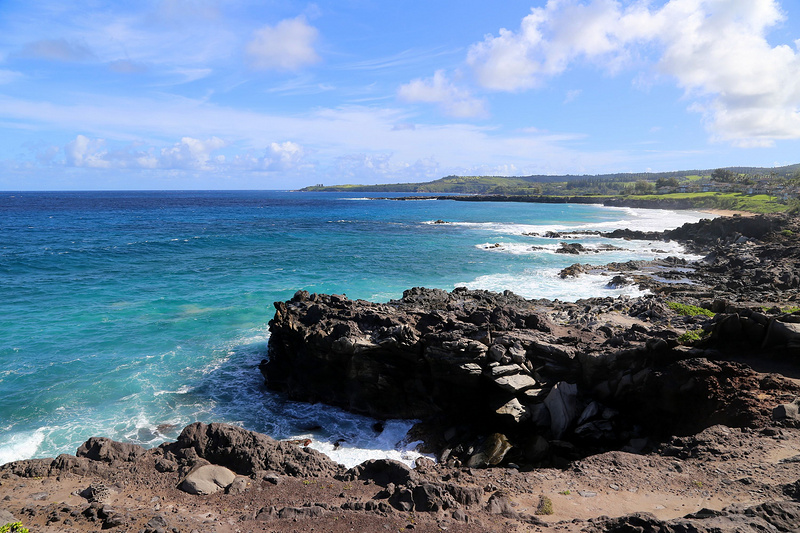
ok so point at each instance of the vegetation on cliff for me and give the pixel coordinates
(757, 190)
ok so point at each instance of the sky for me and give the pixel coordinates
(279, 94)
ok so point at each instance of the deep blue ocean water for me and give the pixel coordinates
(132, 314)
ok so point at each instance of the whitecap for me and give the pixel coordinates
(391, 443)
(19, 446)
(184, 389)
(546, 283)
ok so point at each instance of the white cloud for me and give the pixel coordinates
(188, 154)
(283, 156)
(454, 101)
(192, 153)
(85, 152)
(289, 45)
(277, 157)
(148, 125)
(716, 50)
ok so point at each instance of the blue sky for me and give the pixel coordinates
(192, 94)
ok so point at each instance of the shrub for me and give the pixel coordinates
(689, 310)
(14, 527)
(691, 337)
(545, 506)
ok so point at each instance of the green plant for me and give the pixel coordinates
(565, 492)
(689, 310)
(785, 310)
(14, 527)
(545, 506)
(691, 336)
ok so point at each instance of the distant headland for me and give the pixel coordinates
(748, 189)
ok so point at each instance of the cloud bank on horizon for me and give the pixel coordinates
(201, 94)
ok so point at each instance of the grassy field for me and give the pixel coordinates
(758, 203)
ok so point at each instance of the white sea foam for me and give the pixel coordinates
(594, 251)
(184, 389)
(546, 283)
(630, 218)
(391, 443)
(19, 446)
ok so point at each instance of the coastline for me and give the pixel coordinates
(728, 213)
(748, 466)
(672, 204)
(58, 433)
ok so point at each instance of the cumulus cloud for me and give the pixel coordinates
(85, 152)
(191, 153)
(289, 45)
(716, 50)
(453, 101)
(277, 157)
(385, 167)
(283, 156)
(188, 154)
(57, 50)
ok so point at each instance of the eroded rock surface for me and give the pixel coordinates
(585, 377)
(561, 380)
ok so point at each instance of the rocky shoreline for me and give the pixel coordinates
(608, 201)
(672, 412)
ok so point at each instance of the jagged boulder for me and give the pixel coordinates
(107, 450)
(247, 452)
(498, 363)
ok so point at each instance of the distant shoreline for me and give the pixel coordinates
(669, 204)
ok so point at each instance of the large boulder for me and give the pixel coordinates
(564, 407)
(207, 479)
(246, 452)
(784, 331)
(109, 451)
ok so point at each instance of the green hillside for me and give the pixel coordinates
(603, 184)
(759, 190)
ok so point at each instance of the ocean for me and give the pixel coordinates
(132, 314)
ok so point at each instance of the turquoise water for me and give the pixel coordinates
(132, 314)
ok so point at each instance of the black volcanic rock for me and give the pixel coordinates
(246, 452)
(583, 377)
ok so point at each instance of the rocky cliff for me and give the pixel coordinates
(502, 378)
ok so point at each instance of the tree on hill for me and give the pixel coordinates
(667, 182)
(723, 175)
(644, 187)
